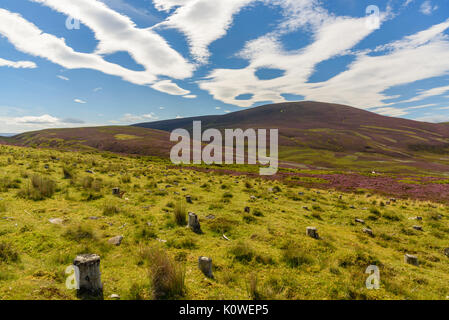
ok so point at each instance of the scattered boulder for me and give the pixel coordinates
(205, 265)
(419, 228)
(312, 232)
(306, 208)
(410, 259)
(114, 296)
(116, 241)
(368, 232)
(446, 252)
(194, 223)
(360, 221)
(247, 209)
(189, 199)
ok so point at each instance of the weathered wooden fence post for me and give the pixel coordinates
(89, 275)
(205, 265)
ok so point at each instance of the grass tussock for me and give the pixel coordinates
(167, 276)
(38, 188)
(7, 253)
(180, 214)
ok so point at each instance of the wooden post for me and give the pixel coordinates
(189, 199)
(408, 258)
(89, 274)
(194, 223)
(205, 265)
(312, 232)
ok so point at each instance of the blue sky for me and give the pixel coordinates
(145, 60)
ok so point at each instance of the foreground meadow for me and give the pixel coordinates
(55, 205)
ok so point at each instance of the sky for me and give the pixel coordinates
(72, 63)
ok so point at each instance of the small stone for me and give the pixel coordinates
(189, 199)
(368, 232)
(312, 232)
(89, 171)
(410, 259)
(210, 217)
(351, 207)
(114, 296)
(116, 241)
(94, 218)
(247, 209)
(116, 191)
(360, 221)
(419, 228)
(301, 193)
(58, 221)
(306, 208)
(253, 198)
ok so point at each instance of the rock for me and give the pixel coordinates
(89, 274)
(301, 193)
(312, 232)
(410, 259)
(189, 199)
(89, 171)
(116, 241)
(253, 198)
(47, 166)
(419, 228)
(247, 209)
(360, 221)
(210, 217)
(368, 232)
(116, 191)
(194, 223)
(205, 265)
(58, 221)
(306, 208)
(418, 218)
(351, 207)
(114, 296)
(94, 218)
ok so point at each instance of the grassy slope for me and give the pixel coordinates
(330, 268)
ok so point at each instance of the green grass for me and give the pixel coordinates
(270, 241)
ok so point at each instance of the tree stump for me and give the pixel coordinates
(89, 275)
(116, 191)
(205, 265)
(312, 232)
(189, 199)
(194, 223)
(413, 260)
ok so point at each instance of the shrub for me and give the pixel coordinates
(39, 188)
(8, 183)
(110, 209)
(167, 276)
(8, 253)
(252, 287)
(180, 214)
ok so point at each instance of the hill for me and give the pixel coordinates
(127, 140)
(337, 136)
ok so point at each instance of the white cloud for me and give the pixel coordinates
(98, 89)
(45, 119)
(202, 21)
(17, 64)
(427, 7)
(63, 78)
(32, 123)
(131, 118)
(169, 87)
(391, 112)
(190, 96)
(79, 101)
(362, 85)
(115, 32)
(423, 94)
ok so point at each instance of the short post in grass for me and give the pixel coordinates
(189, 199)
(410, 259)
(312, 232)
(205, 265)
(116, 191)
(194, 223)
(89, 275)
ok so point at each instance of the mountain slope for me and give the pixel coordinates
(129, 140)
(325, 134)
